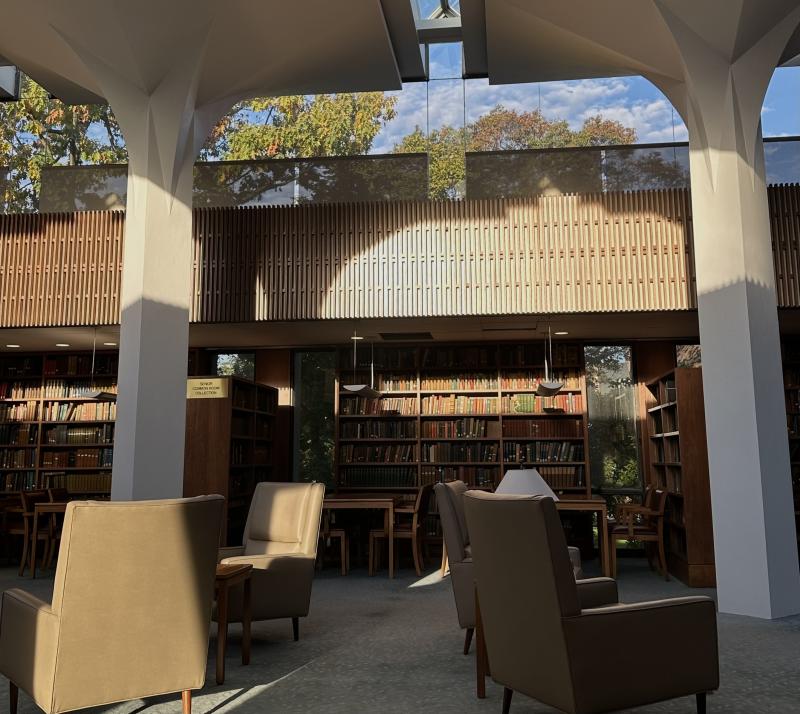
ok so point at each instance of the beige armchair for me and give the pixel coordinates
(449, 498)
(542, 637)
(280, 542)
(130, 612)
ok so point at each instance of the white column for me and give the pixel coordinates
(751, 493)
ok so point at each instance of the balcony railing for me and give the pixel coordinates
(404, 177)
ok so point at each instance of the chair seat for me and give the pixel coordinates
(637, 531)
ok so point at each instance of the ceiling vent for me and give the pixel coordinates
(405, 336)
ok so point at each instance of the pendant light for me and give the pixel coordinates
(98, 395)
(548, 388)
(367, 391)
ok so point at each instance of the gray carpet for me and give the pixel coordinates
(374, 645)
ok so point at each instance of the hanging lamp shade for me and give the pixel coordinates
(362, 390)
(367, 391)
(549, 387)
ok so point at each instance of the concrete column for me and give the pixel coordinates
(751, 493)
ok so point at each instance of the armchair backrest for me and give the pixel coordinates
(133, 593)
(525, 588)
(450, 501)
(284, 518)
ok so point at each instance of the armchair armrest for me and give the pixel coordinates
(597, 592)
(28, 643)
(682, 660)
(229, 552)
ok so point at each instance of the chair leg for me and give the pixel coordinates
(613, 554)
(296, 628)
(343, 554)
(507, 693)
(468, 639)
(371, 556)
(701, 703)
(186, 701)
(25, 547)
(13, 697)
(415, 553)
(663, 559)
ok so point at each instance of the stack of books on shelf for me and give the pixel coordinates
(542, 428)
(373, 454)
(79, 483)
(570, 378)
(21, 411)
(534, 404)
(470, 357)
(19, 367)
(76, 365)
(19, 390)
(17, 458)
(62, 389)
(72, 458)
(379, 477)
(79, 411)
(465, 428)
(454, 404)
(450, 451)
(474, 476)
(360, 406)
(21, 481)
(64, 434)
(396, 383)
(542, 451)
(18, 434)
(561, 477)
(387, 429)
(461, 382)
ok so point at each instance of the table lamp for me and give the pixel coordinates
(524, 482)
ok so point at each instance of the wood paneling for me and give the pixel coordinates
(547, 254)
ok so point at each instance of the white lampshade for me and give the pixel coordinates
(525, 482)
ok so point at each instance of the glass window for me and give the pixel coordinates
(314, 393)
(613, 446)
(237, 364)
(687, 355)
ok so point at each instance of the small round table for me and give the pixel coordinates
(229, 576)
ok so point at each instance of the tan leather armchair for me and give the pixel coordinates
(131, 607)
(280, 542)
(541, 637)
(449, 498)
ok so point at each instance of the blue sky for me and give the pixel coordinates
(634, 101)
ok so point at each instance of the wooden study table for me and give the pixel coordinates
(600, 507)
(367, 501)
(43, 508)
(228, 576)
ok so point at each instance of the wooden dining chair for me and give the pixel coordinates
(327, 536)
(646, 525)
(31, 540)
(56, 522)
(58, 495)
(405, 528)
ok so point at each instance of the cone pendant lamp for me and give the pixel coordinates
(549, 387)
(367, 391)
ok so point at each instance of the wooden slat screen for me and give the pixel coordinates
(554, 254)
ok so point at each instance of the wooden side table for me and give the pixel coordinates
(229, 576)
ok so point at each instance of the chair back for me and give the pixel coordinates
(29, 500)
(284, 518)
(649, 494)
(422, 505)
(659, 507)
(525, 588)
(133, 593)
(58, 495)
(450, 500)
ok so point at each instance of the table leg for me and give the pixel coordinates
(246, 617)
(390, 531)
(35, 543)
(603, 542)
(222, 630)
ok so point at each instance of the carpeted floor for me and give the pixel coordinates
(375, 645)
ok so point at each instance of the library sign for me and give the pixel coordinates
(206, 388)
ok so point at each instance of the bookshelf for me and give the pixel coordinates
(51, 433)
(230, 424)
(463, 411)
(791, 384)
(678, 462)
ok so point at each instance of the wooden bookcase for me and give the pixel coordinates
(51, 434)
(461, 411)
(678, 462)
(791, 383)
(229, 444)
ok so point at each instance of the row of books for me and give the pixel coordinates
(459, 357)
(384, 429)
(369, 454)
(79, 411)
(60, 388)
(533, 354)
(19, 390)
(11, 367)
(22, 481)
(534, 404)
(384, 358)
(563, 476)
(793, 422)
(379, 477)
(396, 383)
(791, 377)
(571, 379)
(454, 404)
(473, 476)
(453, 451)
(464, 428)
(66, 365)
(17, 458)
(460, 382)
(78, 457)
(18, 434)
(539, 451)
(66, 434)
(360, 406)
(80, 483)
(22, 411)
(533, 428)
